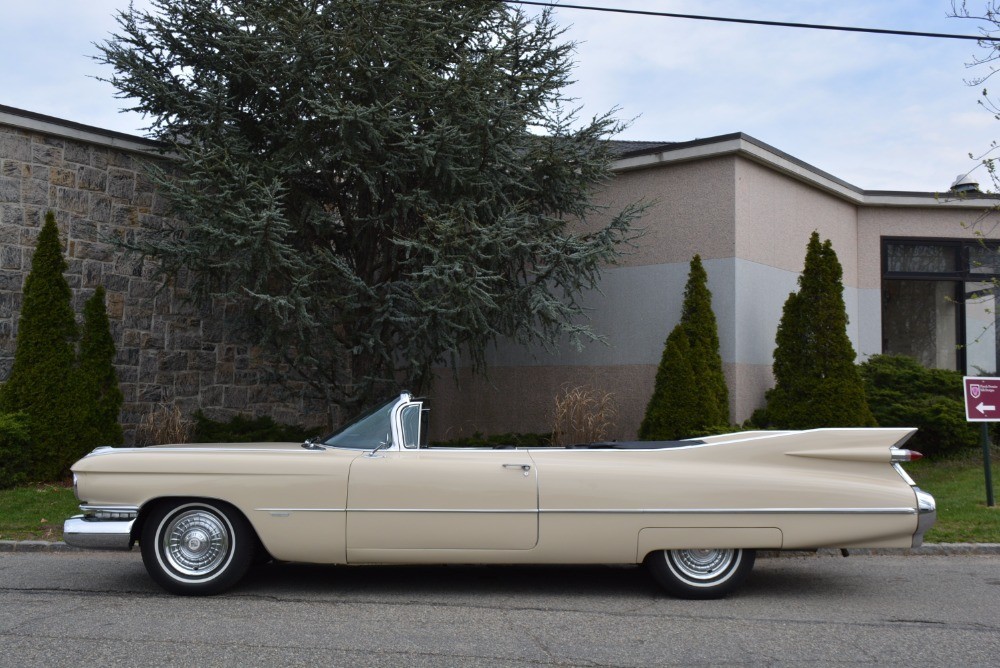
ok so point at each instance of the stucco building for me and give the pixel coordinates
(910, 261)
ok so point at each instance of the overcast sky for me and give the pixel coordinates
(881, 112)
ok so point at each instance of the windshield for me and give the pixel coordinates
(367, 432)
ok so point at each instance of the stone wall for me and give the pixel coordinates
(169, 351)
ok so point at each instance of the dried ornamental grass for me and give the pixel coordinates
(165, 424)
(582, 415)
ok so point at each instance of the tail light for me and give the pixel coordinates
(898, 455)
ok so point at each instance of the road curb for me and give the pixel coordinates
(36, 546)
(928, 550)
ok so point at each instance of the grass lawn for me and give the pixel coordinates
(959, 487)
(36, 512)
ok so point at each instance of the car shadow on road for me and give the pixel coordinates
(448, 580)
(770, 579)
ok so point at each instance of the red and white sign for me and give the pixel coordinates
(982, 399)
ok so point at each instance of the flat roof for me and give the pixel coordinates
(631, 155)
(646, 155)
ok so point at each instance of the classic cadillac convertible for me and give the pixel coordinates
(693, 512)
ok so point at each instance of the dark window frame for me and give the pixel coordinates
(962, 275)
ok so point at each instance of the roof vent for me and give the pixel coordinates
(965, 184)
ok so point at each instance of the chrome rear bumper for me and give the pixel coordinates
(93, 533)
(927, 515)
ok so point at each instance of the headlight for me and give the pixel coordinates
(76, 488)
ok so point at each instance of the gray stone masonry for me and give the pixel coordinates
(168, 352)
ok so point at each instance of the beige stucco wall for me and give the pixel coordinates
(775, 216)
(691, 210)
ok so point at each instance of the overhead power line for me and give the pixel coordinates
(759, 22)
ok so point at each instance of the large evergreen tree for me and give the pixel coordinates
(42, 382)
(816, 381)
(390, 185)
(690, 395)
(98, 380)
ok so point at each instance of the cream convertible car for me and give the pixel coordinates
(693, 511)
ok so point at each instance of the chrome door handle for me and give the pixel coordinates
(524, 467)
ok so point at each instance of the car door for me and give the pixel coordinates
(441, 499)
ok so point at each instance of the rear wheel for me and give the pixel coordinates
(700, 574)
(197, 547)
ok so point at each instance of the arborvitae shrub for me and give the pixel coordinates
(98, 380)
(673, 411)
(902, 393)
(690, 394)
(42, 381)
(816, 381)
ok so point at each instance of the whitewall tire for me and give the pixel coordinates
(700, 574)
(196, 547)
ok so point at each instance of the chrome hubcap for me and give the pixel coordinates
(703, 565)
(195, 542)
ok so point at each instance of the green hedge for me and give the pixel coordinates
(902, 393)
(244, 429)
(15, 456)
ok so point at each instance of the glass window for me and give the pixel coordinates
(984, 260)
(411, 426)
(920, 320)
(909, 258)
(367, 432)
(939, 302)
(981, 344)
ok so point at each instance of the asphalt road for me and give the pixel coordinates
(100, 609)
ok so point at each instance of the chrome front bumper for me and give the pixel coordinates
(926, 515)
(96, 532)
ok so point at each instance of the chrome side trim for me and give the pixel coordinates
(927, 508)
(300, 510)
(477, 511)
(744, 511)
(656, 511)
(94, 534)
(615, 511)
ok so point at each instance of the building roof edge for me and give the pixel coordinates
(31, 120)
(763, 153)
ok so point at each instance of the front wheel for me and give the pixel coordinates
(196, 547)
(700, 574)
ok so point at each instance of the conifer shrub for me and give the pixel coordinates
(70, 400)
(43, 380)
(816, 381)
(902, 393)
(690, 395)
(98, 380)
(14, 454)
